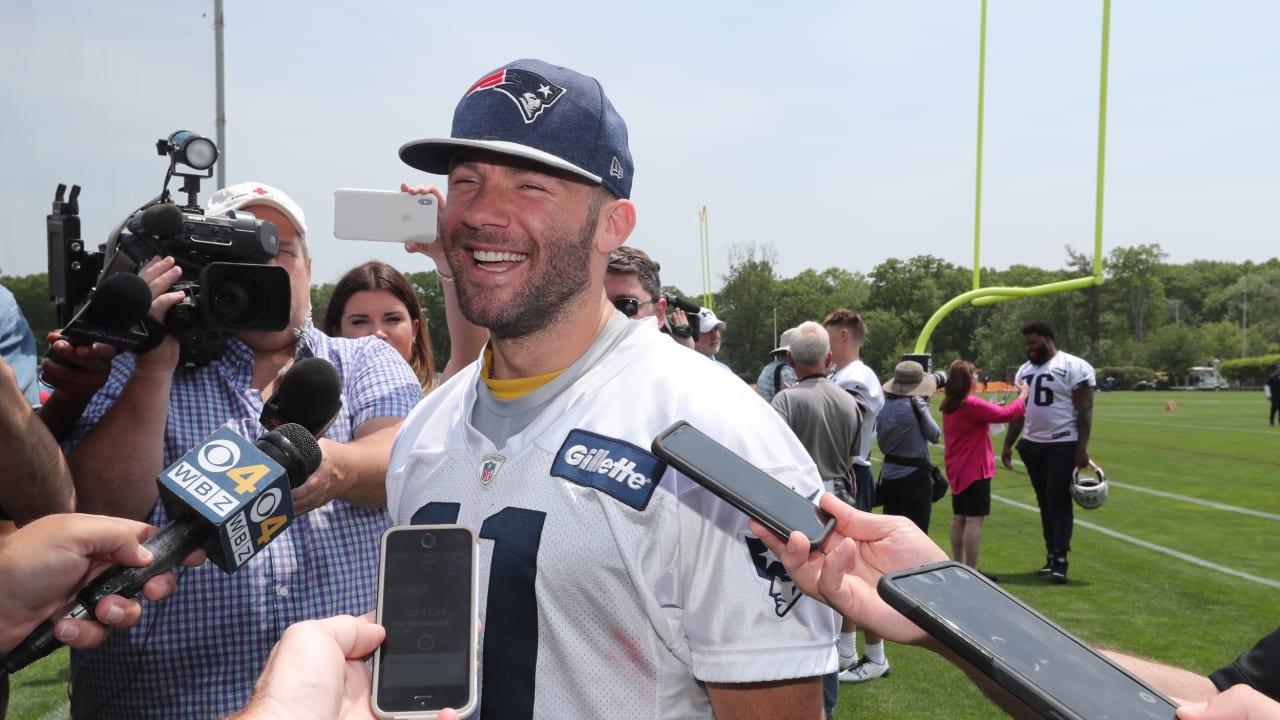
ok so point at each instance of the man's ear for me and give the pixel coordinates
(617, 220)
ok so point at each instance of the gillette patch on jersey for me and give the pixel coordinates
(614, 467)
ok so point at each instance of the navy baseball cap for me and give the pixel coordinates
(542, 112)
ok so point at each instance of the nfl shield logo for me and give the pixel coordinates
(489, 467)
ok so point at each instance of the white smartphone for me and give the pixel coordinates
(427, 585)
(1054, 673)
(384, 216)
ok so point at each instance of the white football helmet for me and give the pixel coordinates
(1089, 486)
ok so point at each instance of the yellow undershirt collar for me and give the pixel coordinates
(515, 388)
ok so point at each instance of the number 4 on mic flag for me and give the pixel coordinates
(239, 489)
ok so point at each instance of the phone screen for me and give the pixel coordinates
(967, 613)
(739, 483)
(426, 603)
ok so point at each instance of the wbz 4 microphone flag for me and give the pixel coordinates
(243, 493)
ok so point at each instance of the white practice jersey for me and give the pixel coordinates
(861, 380)
(1051, 415)
(610, 585)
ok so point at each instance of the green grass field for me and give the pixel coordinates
(1182, 564)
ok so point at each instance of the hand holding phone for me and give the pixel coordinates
(739, 483)
(427, 589)
(1053, 672)
(384, 216)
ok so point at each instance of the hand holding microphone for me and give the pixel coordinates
(310, 394)
(46, 562)
(227, 495)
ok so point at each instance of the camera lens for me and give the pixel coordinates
(236, 301)
(940, 377)
(428, 540)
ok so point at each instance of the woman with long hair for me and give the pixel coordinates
(970, 463)
(376, 299)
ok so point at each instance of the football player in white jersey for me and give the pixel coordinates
(847, 330)
(1058, 421)
(610, 585)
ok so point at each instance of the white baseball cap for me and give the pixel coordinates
(784, 342)
(707, 321)
(240, 195)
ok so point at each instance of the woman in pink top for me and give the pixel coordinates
(966, 425)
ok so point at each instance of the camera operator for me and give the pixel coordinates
(634, 288)
(200, 653)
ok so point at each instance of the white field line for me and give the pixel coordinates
(1188, 499)
(1160, 548)
(1196, 501)
(1262, 430)
(1152, 546)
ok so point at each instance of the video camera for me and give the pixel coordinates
(691, 311)
(227, 287)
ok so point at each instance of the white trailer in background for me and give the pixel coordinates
(1206, 378)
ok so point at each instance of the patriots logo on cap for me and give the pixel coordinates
(531, 92)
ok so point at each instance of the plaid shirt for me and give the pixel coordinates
(197, 653)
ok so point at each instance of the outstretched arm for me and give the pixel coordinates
(44, 565)
(862, 548)
(35, 480)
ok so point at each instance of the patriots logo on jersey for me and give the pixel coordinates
(781, 588)
(531, 92)
(615, 467)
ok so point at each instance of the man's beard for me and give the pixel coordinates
(545, 298)
(1039, 355)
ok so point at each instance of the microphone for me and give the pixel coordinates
(227, 495)
(309, 394)
(113, 315)
(162, 220)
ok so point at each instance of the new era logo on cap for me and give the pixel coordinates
(541, 112)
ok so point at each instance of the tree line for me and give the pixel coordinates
(1148, 315)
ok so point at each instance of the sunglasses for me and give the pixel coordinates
(630, 306)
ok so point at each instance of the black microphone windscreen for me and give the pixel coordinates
(294, 448)
(119, 301)
(162, 219)
(310, 394)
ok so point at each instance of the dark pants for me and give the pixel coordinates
(910, 496)
(864, 487)
(1050, 466)
(1275, 408)
(830, 692)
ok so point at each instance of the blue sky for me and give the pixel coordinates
(840, 133)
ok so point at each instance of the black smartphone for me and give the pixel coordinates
(1056, 674)
(427, 603)
(741, 484)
